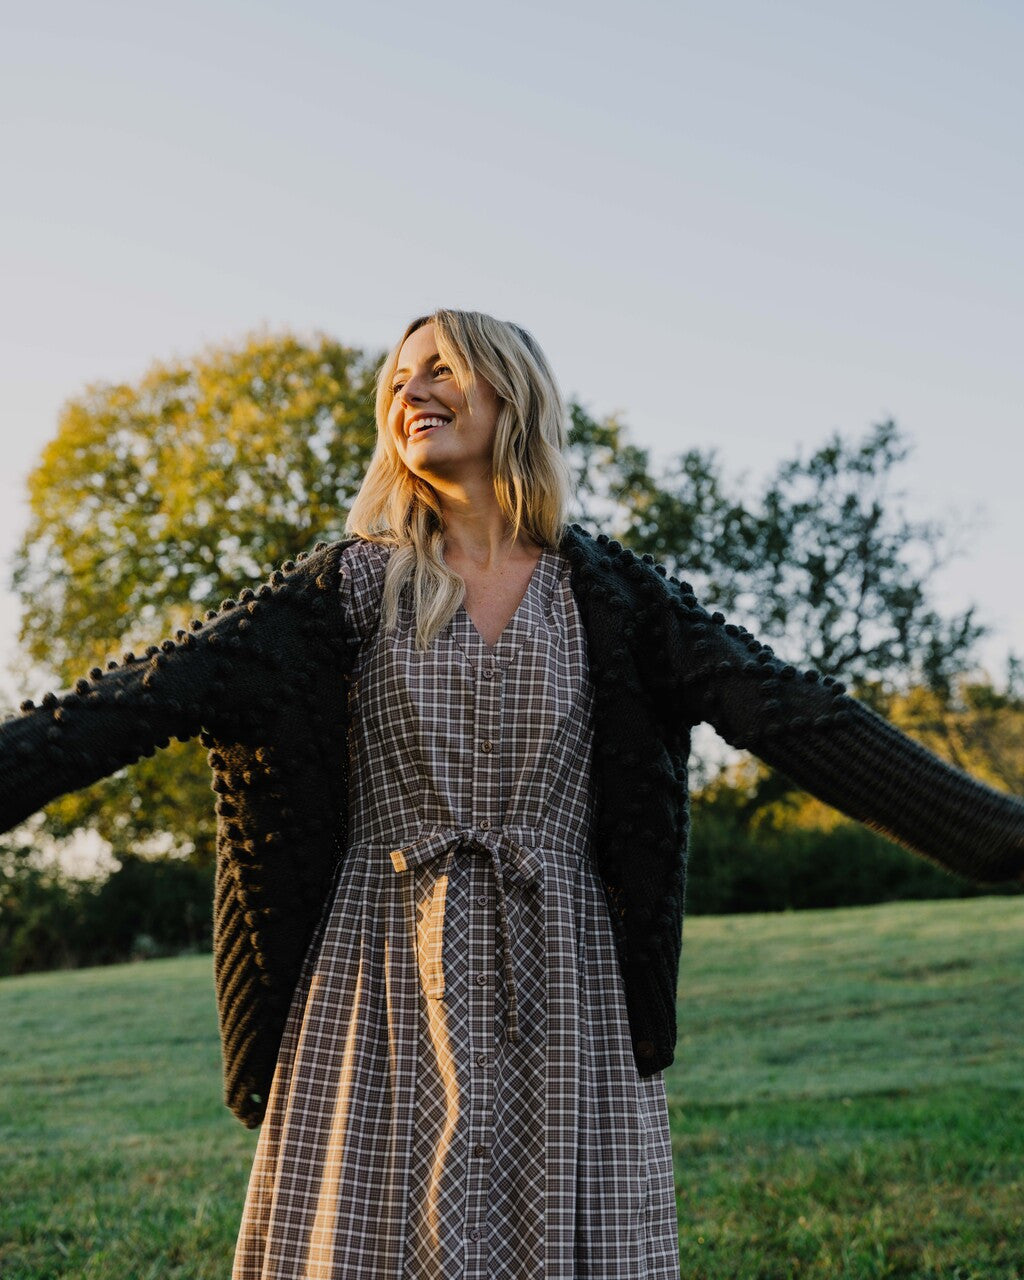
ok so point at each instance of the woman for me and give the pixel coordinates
(450, 757)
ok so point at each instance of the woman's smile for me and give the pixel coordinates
(424, 423)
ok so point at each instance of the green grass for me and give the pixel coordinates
(847, 1098)
(846, 1101)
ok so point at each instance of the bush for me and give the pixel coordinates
(734, 869)
(39, 916)
(157, 907)
(145, 908)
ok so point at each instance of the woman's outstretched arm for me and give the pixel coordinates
(839, 750)
(216, 675)
(109, 720)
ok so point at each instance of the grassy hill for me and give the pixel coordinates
(846, 1101)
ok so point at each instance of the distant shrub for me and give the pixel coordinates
(158, 907)
(734, 869)
(39, 916)
(144, 908)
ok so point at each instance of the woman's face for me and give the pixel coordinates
(440, 433)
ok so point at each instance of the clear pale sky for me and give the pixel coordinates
(744, 225)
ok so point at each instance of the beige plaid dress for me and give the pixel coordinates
(456, 1094)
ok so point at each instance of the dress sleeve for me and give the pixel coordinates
(840, 750)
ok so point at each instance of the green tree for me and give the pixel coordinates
(843, 573)
(686, 515)
(154, 501)
(977, 727)
(821, 557)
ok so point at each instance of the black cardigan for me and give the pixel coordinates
(263, 681)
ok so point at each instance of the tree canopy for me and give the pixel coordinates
(820, 557)
(154, 501)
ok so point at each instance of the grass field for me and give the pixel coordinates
(846, 1101)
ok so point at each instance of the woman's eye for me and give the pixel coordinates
(441, 368)
(396, 387)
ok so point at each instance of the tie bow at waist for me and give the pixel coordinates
(514, 862)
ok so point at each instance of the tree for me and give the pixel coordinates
(847, 577)
(687, 518)
(821, 558)
(977, 727)
(155, 501)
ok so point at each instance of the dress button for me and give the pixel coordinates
(474, 1234)
(488, 674)
(485, 824)
(482, 900)
(479, 1149)
(481, 979)
(487, 745)
(481, 1059)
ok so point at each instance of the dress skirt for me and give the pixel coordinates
(456, 1093)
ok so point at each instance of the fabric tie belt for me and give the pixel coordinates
(514, 862)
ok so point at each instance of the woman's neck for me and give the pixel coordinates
(476, 531)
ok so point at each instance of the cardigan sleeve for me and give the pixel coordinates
(841, 751)
(215, 675)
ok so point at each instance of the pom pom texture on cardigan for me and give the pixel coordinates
(264, 682)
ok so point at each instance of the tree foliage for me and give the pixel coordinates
(978, 728)
(155, 501)
(841, 568)
(684, 513)
(821, 557)
(50, 920)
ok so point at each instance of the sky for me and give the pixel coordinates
(743, 226)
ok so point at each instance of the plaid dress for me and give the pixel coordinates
(456, 1094)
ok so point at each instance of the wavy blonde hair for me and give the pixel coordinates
(531, 477)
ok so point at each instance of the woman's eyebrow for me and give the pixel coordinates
(404, 368)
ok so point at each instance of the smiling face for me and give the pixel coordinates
(440, 432)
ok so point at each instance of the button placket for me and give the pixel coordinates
(484, 962)
(486, 785)
(480, 1103)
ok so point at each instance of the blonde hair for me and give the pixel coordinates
(531, 477)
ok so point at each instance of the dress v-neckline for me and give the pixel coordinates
(491, 649)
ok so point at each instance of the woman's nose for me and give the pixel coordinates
(412, 392)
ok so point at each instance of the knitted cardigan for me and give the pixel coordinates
(264, 682)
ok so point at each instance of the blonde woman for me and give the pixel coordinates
(450, 756)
